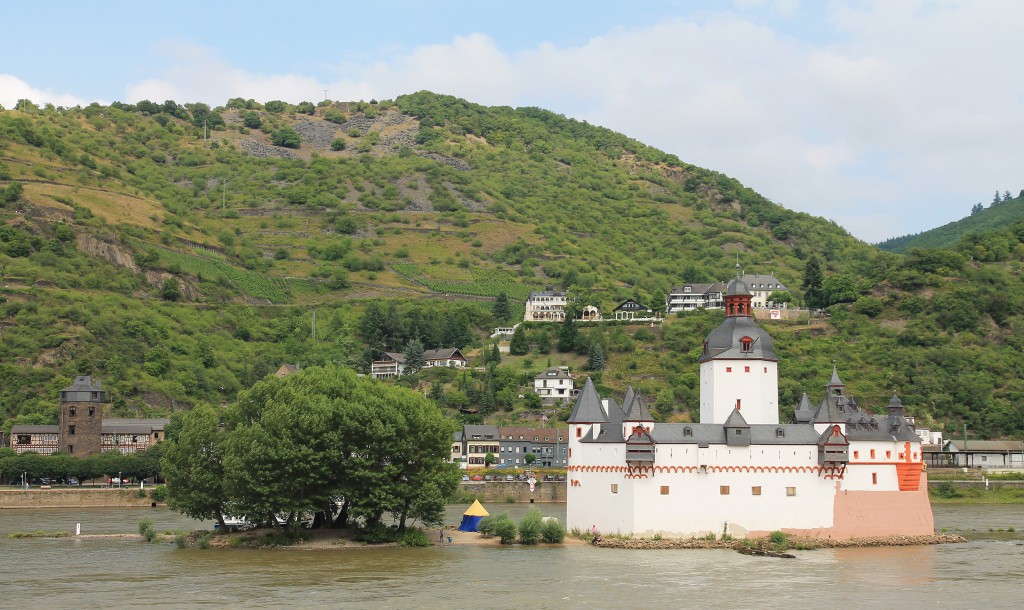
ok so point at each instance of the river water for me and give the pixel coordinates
(987, 572)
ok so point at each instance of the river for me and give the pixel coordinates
(986, 572)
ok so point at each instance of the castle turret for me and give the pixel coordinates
(81, 417)
(739, 368)
(587, 416)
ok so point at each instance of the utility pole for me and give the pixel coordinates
(325, 94)
(965, 444)
(204, 131)
(224, 196)
(313, 331)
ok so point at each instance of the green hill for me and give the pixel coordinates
(997, 216)
(179, 266)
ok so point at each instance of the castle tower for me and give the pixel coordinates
(587, 416)
(81, 417)
(739, 368)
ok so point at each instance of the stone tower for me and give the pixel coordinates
(81, 417)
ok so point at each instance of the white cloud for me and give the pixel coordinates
(13, 89)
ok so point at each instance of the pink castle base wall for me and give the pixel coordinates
(873, 514)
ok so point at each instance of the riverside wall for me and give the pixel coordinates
(73, 498)
(502, 491)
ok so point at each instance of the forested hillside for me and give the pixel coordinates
(1003, 212)
(178, 252)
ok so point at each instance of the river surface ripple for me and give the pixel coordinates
(987, 572)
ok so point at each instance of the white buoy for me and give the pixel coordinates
(78, 529)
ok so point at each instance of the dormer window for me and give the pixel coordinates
(746, 345)
(780, 433)
(687, 431)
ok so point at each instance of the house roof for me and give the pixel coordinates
(982, 446)
(546, 293)
(480, 432)
(631, 305)
(736, 420)
(588, 406)
(757, 281)
(544, 435)
(428, 354)
(804, 411)
(699, 288)
(559, 374)
(34, 429)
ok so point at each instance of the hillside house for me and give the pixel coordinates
(547, 306)
(286, 369)
(695, 296)
(760, 286)
(393, 363)
(554, 385)
(634, 311)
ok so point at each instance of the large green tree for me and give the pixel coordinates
(193, 464)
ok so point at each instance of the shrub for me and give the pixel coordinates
(338, 144)
(505, 529)
(146, 529)
(553, 532)
(181, 541)
(486, 526)
(286, 137)
(530, 526)
(778, 540)
(158, 493)
(413, 537)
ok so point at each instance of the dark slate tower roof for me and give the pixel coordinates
(83, 390)
(726, 341)
(615, 414)
(637, 409)
(804, 412)
(588, 406)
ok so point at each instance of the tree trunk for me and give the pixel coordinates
(342, 520)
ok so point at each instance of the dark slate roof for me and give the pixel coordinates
(835, 381)
(483, 432)
(558, 374)
(637, 409)
(804, 412)
(724, 341)
(83, 383)
(34, 430)
(588, 406)
(546, 293)
(428, 354)
(756, 282)
(631, 305)
(834, 410)
(628, 398)
(736, 420)
(699, 288)
(737, 287)
(760, 434)
(615, 414)
(958, 445)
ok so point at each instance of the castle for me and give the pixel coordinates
(836, 472)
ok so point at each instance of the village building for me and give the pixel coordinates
(980, 454)
(83, 430)
(633, 311)
(546, 306)
(739, 471)
(549, 447)
(554, 385)
(393, 363)
(286, 369)
(689, 297)
(471, 445)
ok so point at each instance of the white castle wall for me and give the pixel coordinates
(755, 383)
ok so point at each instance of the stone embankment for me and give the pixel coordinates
(73, 498)
(794, 542)
(256, 148)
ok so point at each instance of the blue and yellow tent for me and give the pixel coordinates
(472, 517)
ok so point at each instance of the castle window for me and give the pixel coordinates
(615, 488)
(71, 429)
(579, 431)
(872, 454)
(888, 455)
(687, 431)
(664, 490)
(746, 344)
(874, 478)
(780, 433)
(71, 412)
(24, 439)
(723, 490)
(791, 491)
(92, 411)
(756, 490)
(71, 449)
(746, 369)
(728, 369)
(856, 455)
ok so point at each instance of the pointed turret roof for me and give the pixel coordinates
(736, 420)
(615, 413)
(638, 410)
(628, 400)
(835, 381)
(588, 406)
(804, 411)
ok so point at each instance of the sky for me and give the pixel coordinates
(889, 117)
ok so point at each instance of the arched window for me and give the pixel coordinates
(746, 344)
